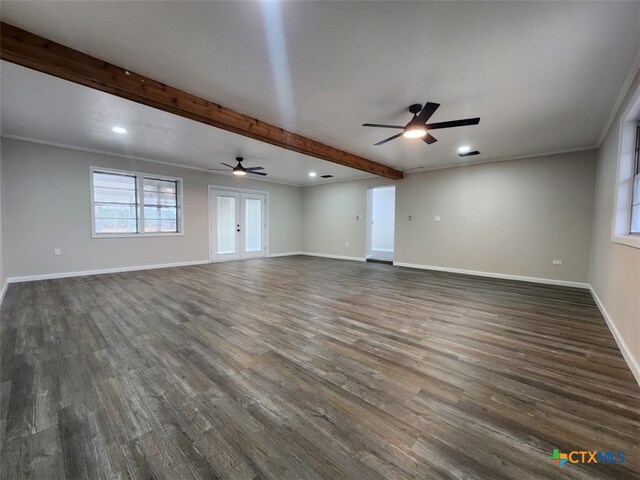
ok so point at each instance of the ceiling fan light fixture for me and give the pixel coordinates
(239, 172)
(416, 131)
(418, 126)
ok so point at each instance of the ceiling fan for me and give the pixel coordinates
(240, 170)
(418, 126)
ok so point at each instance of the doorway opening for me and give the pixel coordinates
(238, 223)
(381, 213)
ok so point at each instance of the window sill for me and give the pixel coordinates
(628, 240)
(135, 235)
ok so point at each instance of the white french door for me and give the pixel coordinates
(238, 225)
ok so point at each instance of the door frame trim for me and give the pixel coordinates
(267, 216)
(369, 220)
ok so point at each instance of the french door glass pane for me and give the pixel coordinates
(226, 218)
(635, 219)
(253, 221)
(635, 206)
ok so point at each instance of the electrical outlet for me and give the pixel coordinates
(437, 219)
(57, 252)
(410, 217)
(557, 262)
(347, 243)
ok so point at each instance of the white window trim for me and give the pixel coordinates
(139, 176)
(621, 222)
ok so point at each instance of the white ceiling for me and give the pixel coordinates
(544, 76)
(44, 108)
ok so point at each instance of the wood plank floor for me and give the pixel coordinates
(308, 368)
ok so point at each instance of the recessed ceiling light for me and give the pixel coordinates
(312, 174)
(464, 149)
(120, 130)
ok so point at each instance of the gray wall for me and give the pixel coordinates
(47, 206)
(615, 268)
(511, 217)
(329, 217)
(3, 257)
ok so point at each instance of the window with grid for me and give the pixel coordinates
(160, 205)
(129, 203)
(635, 197)
(115, 204)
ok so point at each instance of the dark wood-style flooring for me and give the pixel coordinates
(307, 368)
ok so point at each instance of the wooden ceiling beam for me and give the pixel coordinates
(29, 50)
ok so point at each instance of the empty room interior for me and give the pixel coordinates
(319, 240)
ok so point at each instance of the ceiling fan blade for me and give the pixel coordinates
(379, 125)
(388, 139)
(227, 165)
(256, 173)
(429, 139)
(426, 112)
(254, 168)
(453, 123)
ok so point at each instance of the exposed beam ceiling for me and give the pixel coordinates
(29, 50)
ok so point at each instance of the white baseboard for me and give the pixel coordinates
(336, 257)
(52, 276)
(4, 290)
(286, 254)
(504, 276)
(632, 362)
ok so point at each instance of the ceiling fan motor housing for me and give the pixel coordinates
(415, 108)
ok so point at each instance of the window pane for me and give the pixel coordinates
(160, 192)
(160, 219)
(115, 202)
(160, 226)
(116, 225)
(253, 221)
(113, 180)
(111, 210)
(114, 195)
(226, 219)
(636, 190)
(156, 198)
(163, 186)
(114, 188)
(157, 213)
